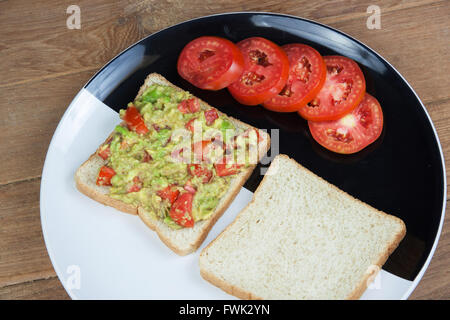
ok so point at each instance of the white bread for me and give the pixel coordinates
(183, 241)
(300, 238)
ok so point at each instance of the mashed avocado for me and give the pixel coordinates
(146, 173)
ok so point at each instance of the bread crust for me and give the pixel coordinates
(359, 288)
(105, 199)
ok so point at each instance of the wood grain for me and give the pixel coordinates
(29, 115)
(44, 65)
(23, 256)
(45, 289)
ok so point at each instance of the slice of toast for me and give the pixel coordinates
(300, 238)
(182, 241)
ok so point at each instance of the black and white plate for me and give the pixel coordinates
(100, 253)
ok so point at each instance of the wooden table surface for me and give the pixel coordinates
(43, 65)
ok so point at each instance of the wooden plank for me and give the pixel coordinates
(44, 289)
(33, 34)
(29, 114)
(23, 256)
(154, 13)
(36, 40)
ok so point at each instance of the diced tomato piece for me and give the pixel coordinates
(134, 120)
(225, 169)
(189, 187)
(211, 116)
(201, 150)
(105, 175)
(190, 125)
(198, 170)
(147, 157)
(137, 185)
(191, 105)
(181, 210)
(169, 193)
(104, 152)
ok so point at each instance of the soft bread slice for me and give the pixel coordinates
(183, 241)
(300, 238)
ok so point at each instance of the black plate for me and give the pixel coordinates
(402, 173)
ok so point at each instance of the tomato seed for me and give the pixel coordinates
(259, 58)
(251, 77)
(205, 55)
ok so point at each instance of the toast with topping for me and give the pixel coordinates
(179, 187)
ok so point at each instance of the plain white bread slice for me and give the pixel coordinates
(183, 241)
(300, 238)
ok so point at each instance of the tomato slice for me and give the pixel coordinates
(134, 120)
(353, 132)
(211, 63)
(168, 193)
(307, 73)
(342, 91)
(181, 210)
(266, 71)
(200, 171)
(104, 176)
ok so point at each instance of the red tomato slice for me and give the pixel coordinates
(307, 74)
(168, 193)
(266, 71)
(342, 91)
(211, 63)
(104, 176)
(181, 210)
(189, 105)
(134, 120)
(200, 171)
(353, 132)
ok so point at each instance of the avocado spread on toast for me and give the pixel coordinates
(153, 159)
